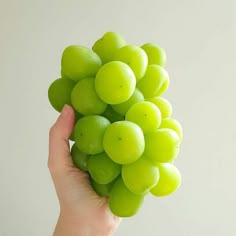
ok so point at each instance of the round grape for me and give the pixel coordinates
(102, 169)
(174, 125)
(124, 142)
(123, 202)
(59, 93)
(89, 132)
(163, 104)
(155, 81)
(115, 82)
(80, 159)
(135, 57)
(156, 54)
(85, 99)
(140, 176)
(106, 46)
(169, 182)
(146, 115)
(79, 62)
(161, 145)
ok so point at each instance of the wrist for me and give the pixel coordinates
(69, 225)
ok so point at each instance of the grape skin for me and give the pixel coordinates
(119, 80)
(59, 93)
(89, 132)
(85, 99)
(124, 142)
(169, 182)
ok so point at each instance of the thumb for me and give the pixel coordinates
(59, 150)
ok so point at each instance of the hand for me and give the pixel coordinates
(82, 211)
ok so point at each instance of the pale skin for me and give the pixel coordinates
(82, 211)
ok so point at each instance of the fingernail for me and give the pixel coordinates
(65, 110)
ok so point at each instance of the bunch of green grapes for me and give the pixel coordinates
(124, 135)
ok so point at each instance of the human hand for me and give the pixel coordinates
(82, 211)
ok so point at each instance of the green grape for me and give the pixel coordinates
(155, 81)
(123, 202)
(102, 169)
(115, 82)
(156, 55)
(77, 117)
(140, 176)
(169, 182)
(79, 62)
(161, 145)
(164, 106)
(146, 115)
(80, 159)
(124, 142)
(135, 57)
(111, 115)
(89, 132)
(122, 108)
(106, 46)
(85, 99)
(59, 93)
(102, 189)
(174, 125)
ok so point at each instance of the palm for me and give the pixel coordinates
(77, 189)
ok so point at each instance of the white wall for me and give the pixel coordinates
(199, 37)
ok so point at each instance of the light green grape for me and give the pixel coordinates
(156, 54)
(102, 169)
(59, 93)
(115, 82)
(140, 176)
(124, 142)
(164, 106)
(123, 202)
(85, 99)
(106, 46)
(80, 159)
(135, 57)
(79, 62)
(122, 108)
(146, 115)
(155, 81)
(169, 182)
(161, 145)
(102, 189)
(89, 132)
(174, 125)
(111, 115)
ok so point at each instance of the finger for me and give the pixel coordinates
(59, 150)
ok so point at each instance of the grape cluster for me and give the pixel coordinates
(125, 137)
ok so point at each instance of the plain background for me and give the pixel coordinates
(199, 38)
